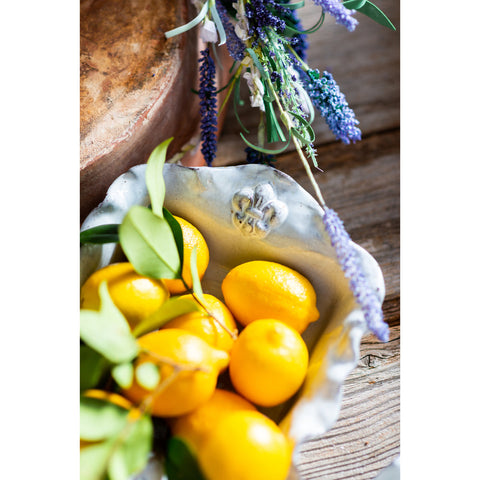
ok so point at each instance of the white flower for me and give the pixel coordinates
(241, 27)
(256, 88)
(208, 31)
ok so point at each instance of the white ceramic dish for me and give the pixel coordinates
(257, 212)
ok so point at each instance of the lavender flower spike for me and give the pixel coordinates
(347, 257)
(208, 107)
(342, 15)
(235, 47)
(330, 101)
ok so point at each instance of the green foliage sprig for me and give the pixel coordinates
(120, 439)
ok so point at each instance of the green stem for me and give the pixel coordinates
(230, 89)
(306, 165)
(295, 54)
(210, 314)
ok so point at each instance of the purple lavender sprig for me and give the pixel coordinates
(342, 15)
(298, 41)
(259, 14)
(347, 257)
(330, 101)
(208, 107)
(235, 47)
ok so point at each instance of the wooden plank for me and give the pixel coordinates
(366, 437)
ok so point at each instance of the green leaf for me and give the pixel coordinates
(93, 367)
(218, 24)
(266, 150)
(172, 308)
(94, 461)
(124, 446)
(196, 283)
(294, 6)
(189, 25)
(309, 130)
(274, 131)
(123, 374)
(291, 30)
(147, 375)
(372, 11)
(131, 456)
(257, 63)
(180, 463)
(177, 233)
(149, 244)
(107, 331)
(354, 4)
(100, 419)
(100, 234)
(154, 177)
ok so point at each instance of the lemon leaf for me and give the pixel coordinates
(180, 462)
(196, 283)
(154, 177)
(147, 375)
(132, 454)
(172, 308)
(94, 461)
(124, 443)
(92, 367)
(100, 419)
(177, 233)
(149, 244)
(101, 234)
(107, 331)
(123, 374)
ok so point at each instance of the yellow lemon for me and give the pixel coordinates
(268, 362)
(263, 289)
(188, 367)
(191, 238)
(245, 445)
(135, 295)
(195, 427)
(218, 330)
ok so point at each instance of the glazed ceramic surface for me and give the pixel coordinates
(253, 212)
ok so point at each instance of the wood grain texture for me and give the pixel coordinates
(362, 183)
(135, 87)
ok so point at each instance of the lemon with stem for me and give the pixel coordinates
(188, 371)
(213, 323)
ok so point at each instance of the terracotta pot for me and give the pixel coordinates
(135, 88)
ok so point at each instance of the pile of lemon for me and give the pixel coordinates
(253, 336)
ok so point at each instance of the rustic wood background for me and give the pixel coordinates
(362, 183)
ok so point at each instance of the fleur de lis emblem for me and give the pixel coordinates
(256, 211)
